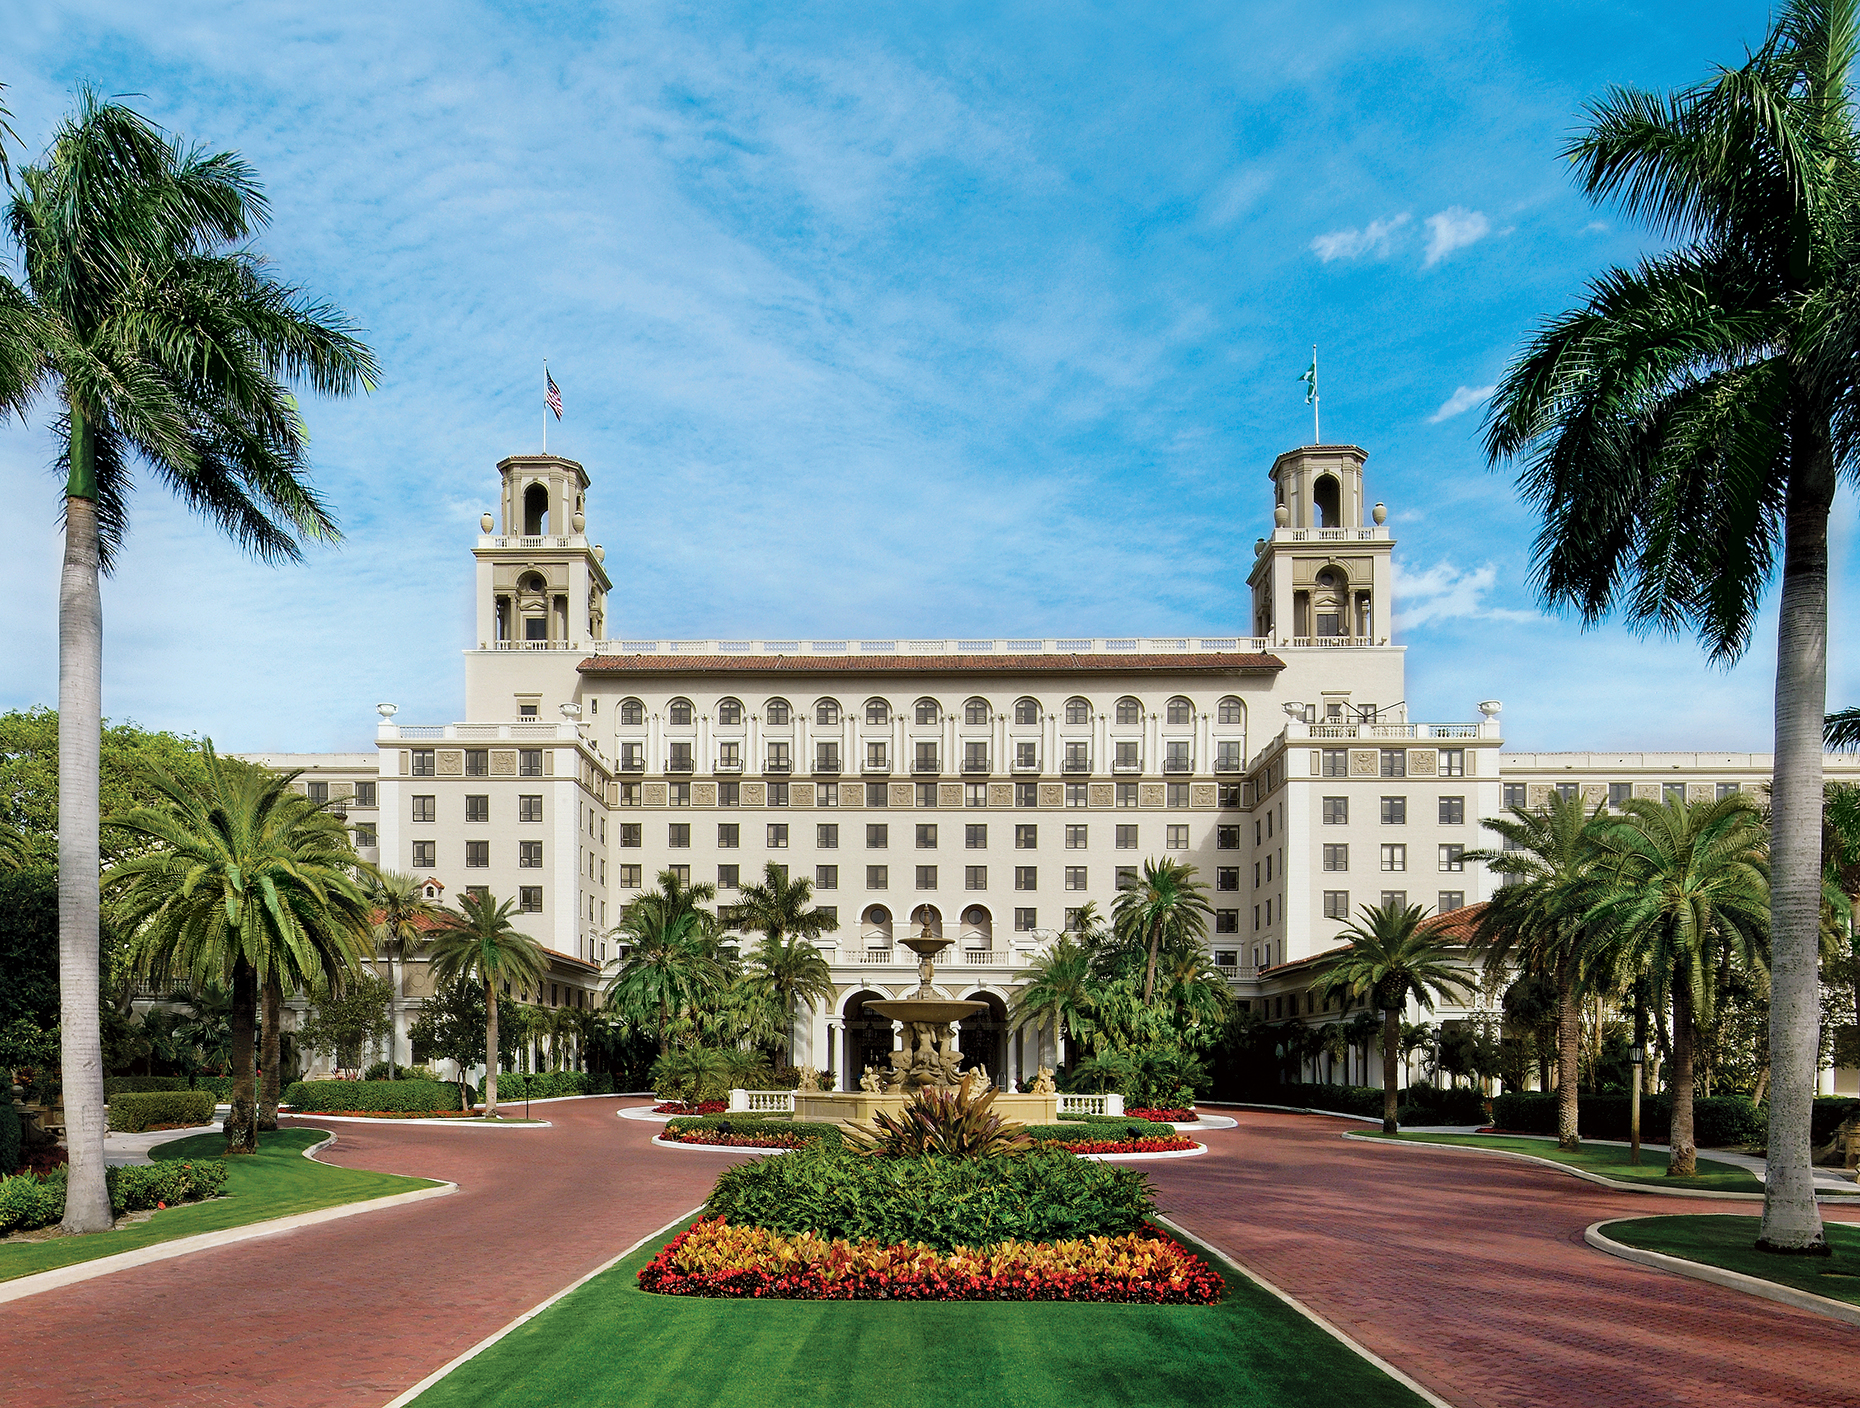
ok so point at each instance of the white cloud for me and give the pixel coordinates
(1443, 592)
(1372, 239)
(1453, 228)
(1595, 227)
(1461, 401)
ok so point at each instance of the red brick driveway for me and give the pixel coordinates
(1469, 1273)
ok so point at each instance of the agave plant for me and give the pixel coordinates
(958, 1124)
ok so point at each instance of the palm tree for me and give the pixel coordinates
(404, 917)
(1690, 422)
(478, 941)
(672, 963)
(785, 960)
(1060, 989)
(1165, 906)
(1394, 955)
(1685, 889)
(1535, 921)
(249, 883)
(166, 339)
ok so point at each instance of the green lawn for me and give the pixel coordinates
(275, 1182)
(1728, 1243)
(609, 1342)
(1609, 1160)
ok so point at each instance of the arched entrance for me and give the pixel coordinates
(982, 1038)
(866, 1041)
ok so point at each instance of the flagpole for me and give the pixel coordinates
(545, 405)
(1316, 438)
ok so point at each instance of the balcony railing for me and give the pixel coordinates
(1076, 765)
(632, 765)
(1227, 765)
(777, 767)
(826, 767)
(1122, 766)
(878, 765)
(975, 765)
(1026, 767)
(926, 765)
(1177, 765)
(729, 765)
(679, 765)
(871, 955)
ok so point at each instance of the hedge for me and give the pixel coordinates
(1102, 1129)
(11, 1135)
(140, 1085)
(31, 1200)
(752, 1127)
(133, 1113)
(373, 1096)
(221, 1087)
(1414, 1104)
(547, 1085)
(1716, 1122)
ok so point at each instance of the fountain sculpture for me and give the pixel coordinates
(928, 1055)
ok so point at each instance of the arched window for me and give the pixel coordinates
(1327, 604)
(877, 711)
(1327, 498)
(536, 510)
(975, 711)
(778, 712)
(927, 711)
(632, 712)
(1230, 711)
(678, 713)
(1026, 711)
(1078, 711)
(1180, 711)
(827, 711)
(1129, 711)
(729, 712)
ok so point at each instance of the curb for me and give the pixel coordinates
(1144, 1156)
(1303, 1110)
(1718, 1276)
(659, 1141)
(636, 1112)
(23, 1286)
(420, 1124)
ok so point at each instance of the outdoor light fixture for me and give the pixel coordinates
(1637, 1055)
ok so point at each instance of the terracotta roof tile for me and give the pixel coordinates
(1206, 663)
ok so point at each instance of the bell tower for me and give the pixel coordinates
(1324, 576)
(541, 584)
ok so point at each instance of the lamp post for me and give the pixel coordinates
(1637, 1058)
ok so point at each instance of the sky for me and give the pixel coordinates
(882, 320)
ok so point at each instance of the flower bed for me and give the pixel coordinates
(389, 1114)
(1164, 1116)
(680, 1107)
(786, 1139)
(748, 1131)
(1157, 1144)
(713, 1258)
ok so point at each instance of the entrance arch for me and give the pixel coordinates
(983, 1037)
(866, 1038)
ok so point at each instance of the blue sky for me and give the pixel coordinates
(874, 320)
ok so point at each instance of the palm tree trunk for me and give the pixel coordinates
(80, 741)
(1568, 1054)
(242, 1119)
(1149, 972)
(490, 1049)
(272, 1054)
(393, 1007)
(1791, 1221)
(1684, 1159)
(1391, 1052)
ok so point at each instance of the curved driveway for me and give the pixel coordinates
(1467, 1272)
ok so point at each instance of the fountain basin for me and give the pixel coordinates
(927, 1010)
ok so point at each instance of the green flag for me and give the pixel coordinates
(1309, 378)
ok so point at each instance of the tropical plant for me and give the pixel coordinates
(1393, 955)
(745, 1068)
(785, 960)
(1059, 990)
(1102, 1070)
(203, 1025)
(691, 1074)
(146, 313)
(1165, 907)
(1536, 920)
(1685, 891)
(955, 1124)
(1688, 425)
(403, 918)
(671, 964)
(252, 883)
(478, 941)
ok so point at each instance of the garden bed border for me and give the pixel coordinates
(1717, 1275)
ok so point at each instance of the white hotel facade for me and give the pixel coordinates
(988, 787)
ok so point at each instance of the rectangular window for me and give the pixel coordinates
(1672, 792)
(1227, 877)
(425, 855)
(1026, 794)
(1027, 837)
(629, 877)
(1226, 921)
(1175, 755)
(1075, 877)
(1026, 757)
(975, 837)
(1124, 876)
(477, 762)
(727, 877)
(1336, 857)
(529, 762)
(1256, 920)
(1026, 921)
(1394, 762)
(422, 762)
(975, 794)
(875, 877)
(827, 794)
(681, 873)
(1619, 793)
(1228, 794)
(1514, 794)
(1336, 904)
(477, 854)
(827, 757)
(877, 835)
(925, 759)
(1175, 794)
(426, 809)
(827, 836)
(729, 794)
(1726, 789)
(1567, 791)
(529, 899)
(826, 877)
(1451, 900)
(529, 808)
(632, 835)
(1453, 858)
(1077, 837)
(876, 794)
(677, 794)
(975, 757)
(1335, 762)
(875, 757)
(1398, 898)
(477, 808)
(529, 855)
(1453, 762)
(1227, 757)
(1452, 811)
(729, 835)
(1394, 811)
(1175, 838)
(365, 834)
(926, 836)
(632, 757)
(1026, 877)
(1336, 811)
(778, 759)
(678, 835)
(365, 794)
(1394, 857)
(1126, 757)
(1128, 794)
(317, 792)
(1227, 838)
(1078, 757)
(1078, 794)
(975, 877)
(1126, 838)
(778, 836)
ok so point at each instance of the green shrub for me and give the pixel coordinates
(373, 1096)
(141, 1085)
(219, 1087)
(1044, 1196)
(548, 1085)
(754, 1125)
(134, 1113)
(11, 1135)
(1716, 1122)
(1442, 1104)
(379, 1071)
(30, 1201)
(1102, 1127)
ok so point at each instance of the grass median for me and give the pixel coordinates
(1608, 1160)
(1729, 1243)
(610, 1342)
(275, 1182)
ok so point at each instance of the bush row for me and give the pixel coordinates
(30, 1201)
(1415, 1104)
(1716, 1122)
(547, 1085)
(1045, 1196)
(1103, 1127)
(753, 1127)
(131, 1112)
(383, 1096)
(11, 1135)
(141, 1085)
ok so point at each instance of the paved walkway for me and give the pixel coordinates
(1469, 1273)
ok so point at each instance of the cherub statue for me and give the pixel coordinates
(1043, 1082)
(869, 1082)
(982, 1082)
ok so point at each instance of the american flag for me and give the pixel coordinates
(552, 394)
